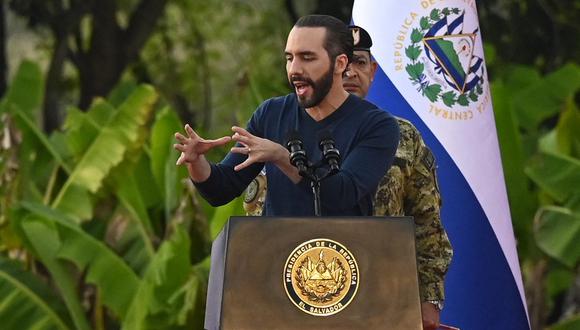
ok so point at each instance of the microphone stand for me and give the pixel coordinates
(315, 184)
(315, 180)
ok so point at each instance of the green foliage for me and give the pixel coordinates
(163, 296)
(572, 323)
(115, 170)
(163, 157)
(107, 150)
(42, 238)
(557, 231)
(537, 121)
(26, 90)
(216, 61)
(32, 305)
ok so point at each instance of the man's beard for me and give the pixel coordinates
(320, 88)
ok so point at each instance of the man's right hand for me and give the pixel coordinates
(193, 148)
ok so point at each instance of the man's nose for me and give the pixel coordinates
(350, 73)
(294, 67)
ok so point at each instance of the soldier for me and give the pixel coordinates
(408, 188)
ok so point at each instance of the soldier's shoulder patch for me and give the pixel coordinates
(252, 191)
(428, 159)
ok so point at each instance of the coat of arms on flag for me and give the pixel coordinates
(443, 59)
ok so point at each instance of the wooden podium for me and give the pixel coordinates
(314, 273)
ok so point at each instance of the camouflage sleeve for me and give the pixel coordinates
(255, 196)
(423, 202)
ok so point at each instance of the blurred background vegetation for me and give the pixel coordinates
(100, 230)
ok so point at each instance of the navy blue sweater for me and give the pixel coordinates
(366, 137)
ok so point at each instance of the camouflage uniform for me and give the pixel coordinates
(408, 188)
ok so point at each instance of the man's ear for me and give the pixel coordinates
(341, 63)
(374, 67)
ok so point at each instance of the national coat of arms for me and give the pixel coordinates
(444, 61)
(321, 277)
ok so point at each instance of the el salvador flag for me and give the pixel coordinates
(432, 72)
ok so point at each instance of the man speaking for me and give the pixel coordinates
(317, 53)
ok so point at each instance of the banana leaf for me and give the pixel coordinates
(82, 128)
(544, 98)
(26, 90)
(115, 279)
(42, 238)
(107, 150)
(557, 233)
(164, 297)
(26, 302)
(557, 174)
(163, 158)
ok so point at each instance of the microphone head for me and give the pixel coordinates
(324, 136)
(292, 136)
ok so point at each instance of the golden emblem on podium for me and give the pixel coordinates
(321, 277)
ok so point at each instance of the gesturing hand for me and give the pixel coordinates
(259, 150)
(193, 146)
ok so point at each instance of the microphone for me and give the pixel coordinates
(329, 152)
(297, 153)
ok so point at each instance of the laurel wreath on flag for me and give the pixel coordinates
(416, 68)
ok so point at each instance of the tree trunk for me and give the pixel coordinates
(113, 49)
(52, 94)
(3, 60)
(101, 67)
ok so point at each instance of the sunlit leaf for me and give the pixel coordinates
(110, 145)
(83, 127)
(567, 134)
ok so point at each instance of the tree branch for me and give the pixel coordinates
(141, 25)
(291, 10)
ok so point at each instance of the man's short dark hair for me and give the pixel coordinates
(338, 37)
